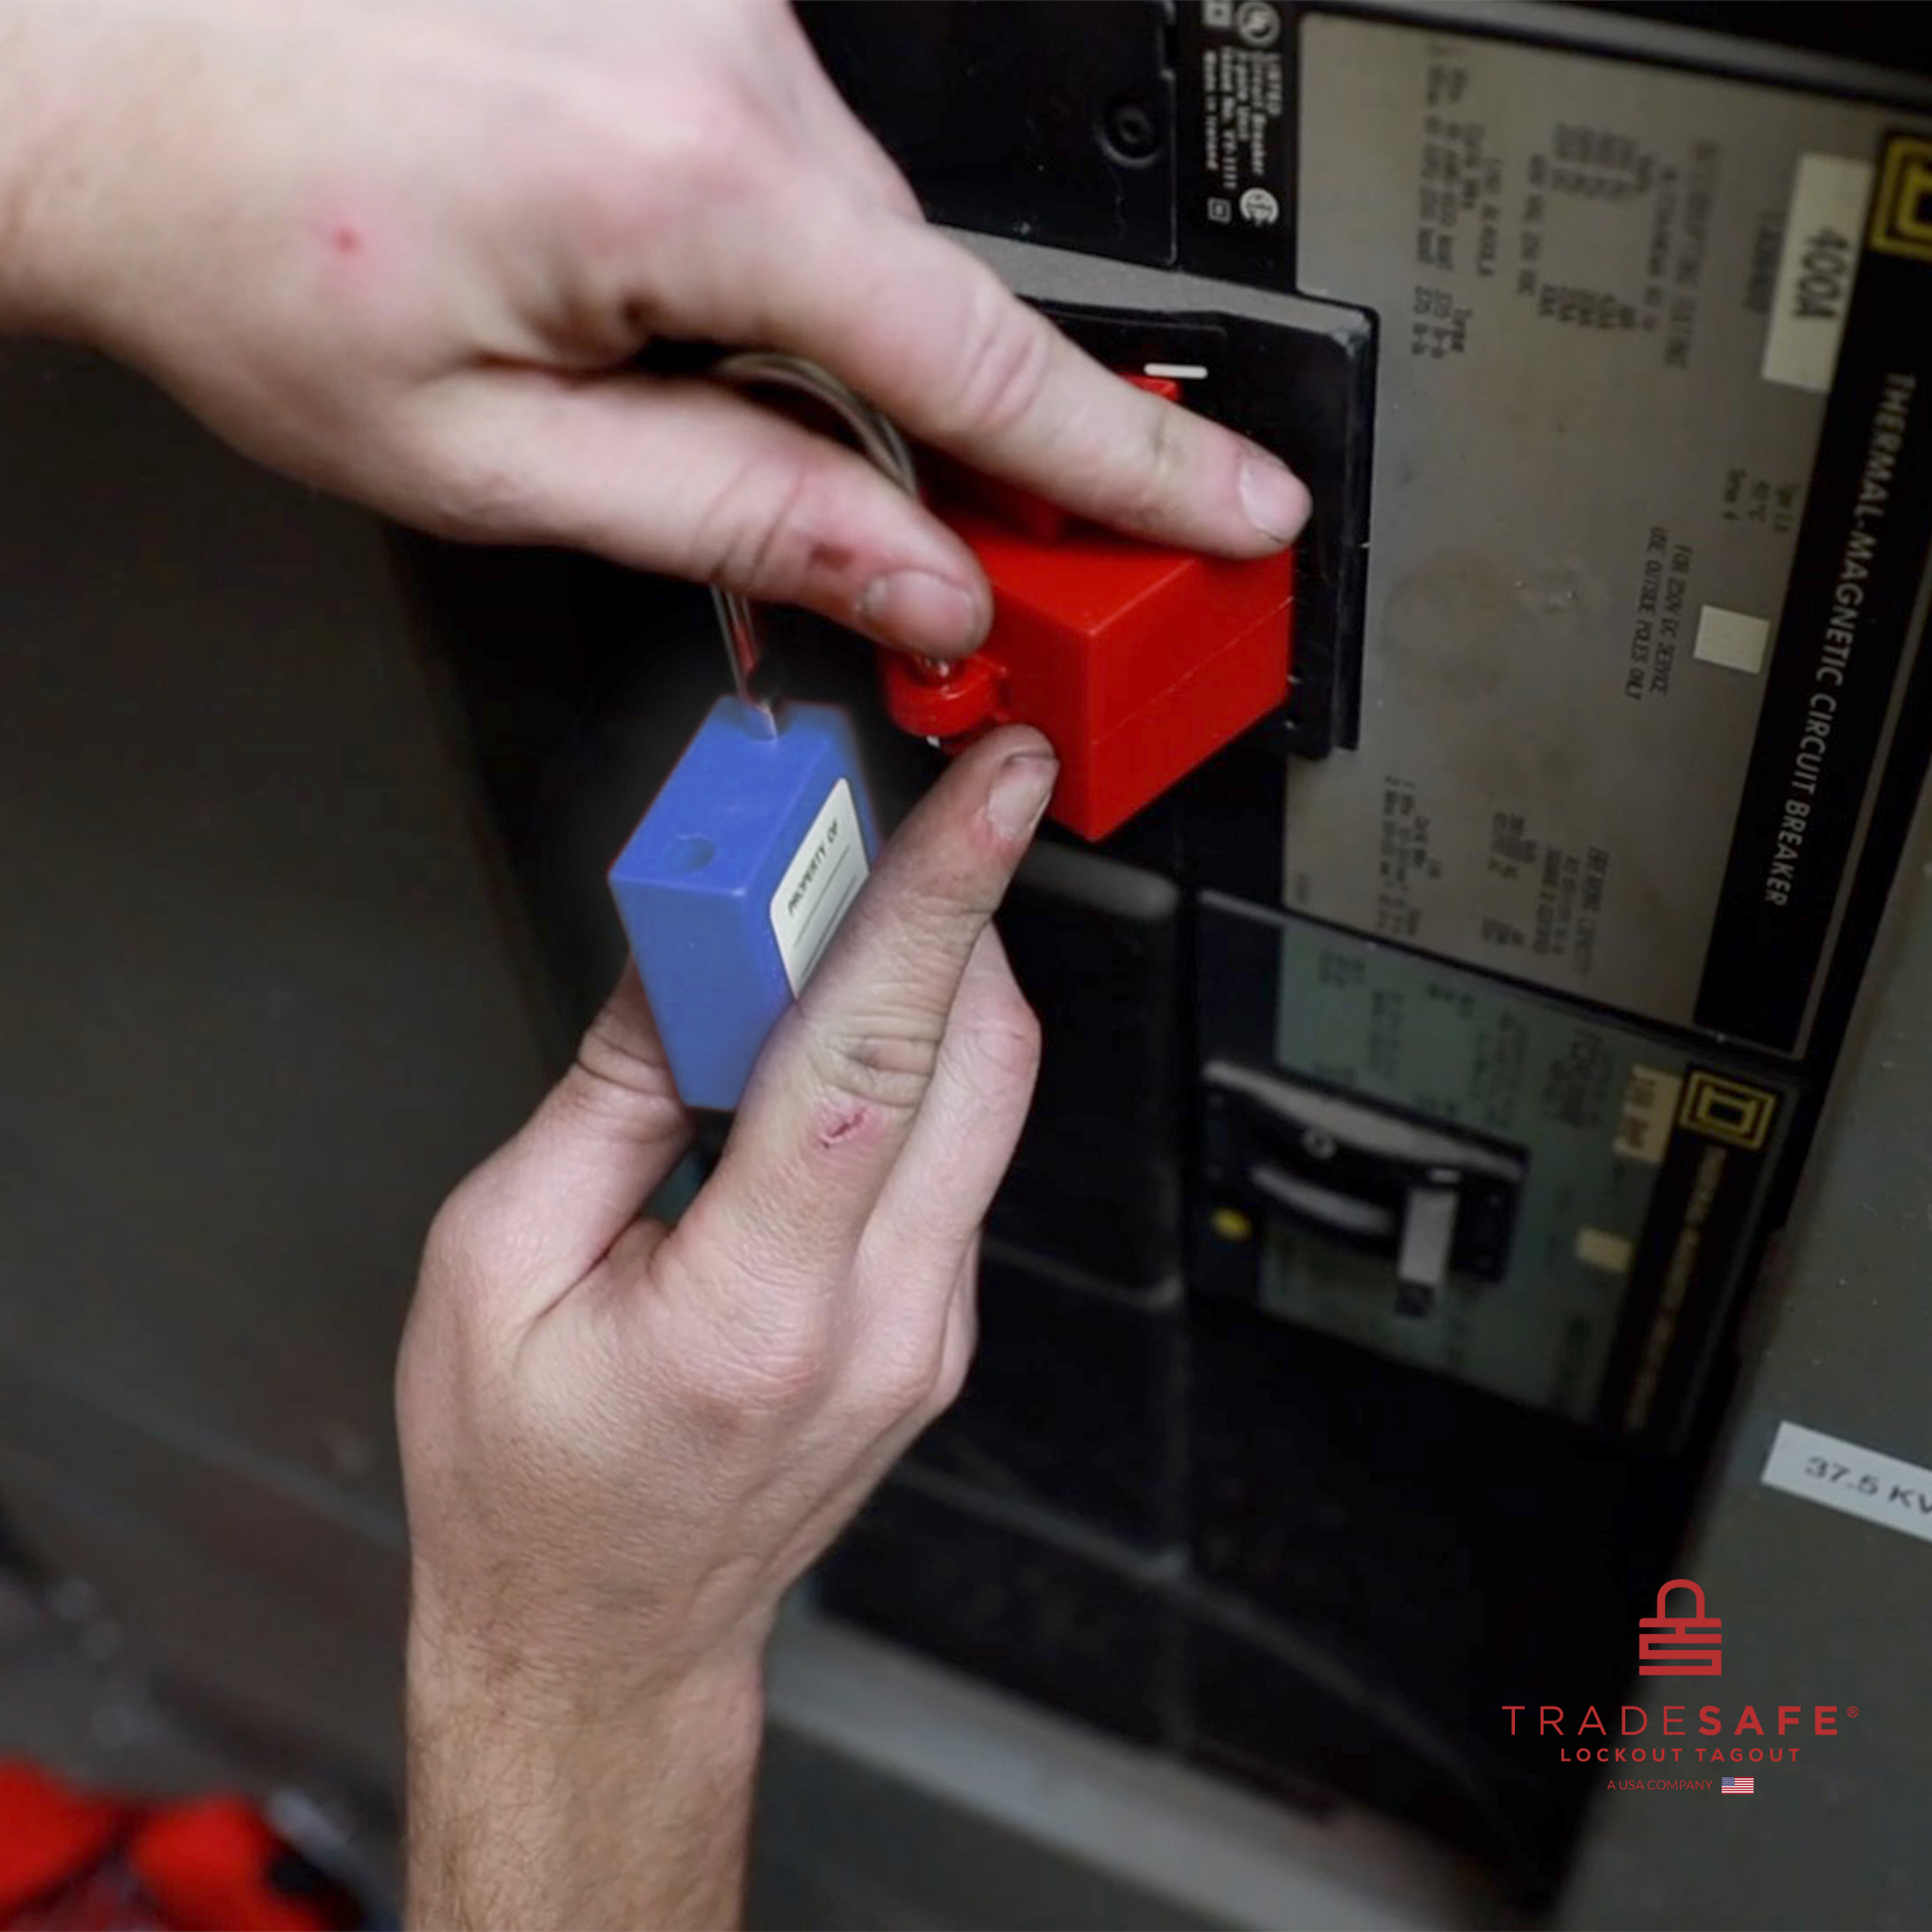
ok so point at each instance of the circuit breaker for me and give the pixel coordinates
(1426, 1076)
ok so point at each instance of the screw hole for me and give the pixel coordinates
(690, 852)
(1130, 132)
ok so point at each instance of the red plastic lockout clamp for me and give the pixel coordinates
(1136, 662)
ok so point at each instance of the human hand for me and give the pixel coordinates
(405, 249)
(622, 1442)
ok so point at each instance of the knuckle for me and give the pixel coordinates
(950, 1379)
(628, 190)
(902, 1385)
(705, 141)
(780, 1371)
(464, 485)
(892, 187)
(885, 1065)
(613, 1065)
(712, 137)
(456, 1240)
(996, 1053)
(1147, 495)
(1009, 1040)
(955, 1358)
(471, 1250)
(760, 531)
(1003, 363)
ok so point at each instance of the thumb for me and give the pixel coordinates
(684, 477)
(543, 1210)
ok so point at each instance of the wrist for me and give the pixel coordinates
(532, 1690)
(564, 1663)
(540, 1798)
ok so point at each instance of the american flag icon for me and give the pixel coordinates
(1740, 1787)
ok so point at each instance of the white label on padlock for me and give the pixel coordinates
(1860, 1482)
(821, 882)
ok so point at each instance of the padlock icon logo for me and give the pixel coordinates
(1679, 1646)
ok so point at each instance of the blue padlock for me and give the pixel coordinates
(750, 856)
(736, 881)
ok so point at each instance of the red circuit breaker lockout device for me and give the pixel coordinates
(1136, 662)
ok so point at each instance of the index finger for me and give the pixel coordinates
(840, 1084)
(937, 340)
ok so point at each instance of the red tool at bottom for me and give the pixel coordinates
(1138, 663)
(80, 1858)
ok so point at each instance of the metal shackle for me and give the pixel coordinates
(879, 442)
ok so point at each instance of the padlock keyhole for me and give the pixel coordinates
(690, 852)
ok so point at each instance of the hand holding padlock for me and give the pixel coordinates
(752, 854)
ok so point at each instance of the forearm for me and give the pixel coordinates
(550, 1807)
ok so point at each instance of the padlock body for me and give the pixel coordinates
(1139, 663)
(734, 880)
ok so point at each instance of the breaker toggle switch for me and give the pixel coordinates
(1136, 662)
(1434, 1200)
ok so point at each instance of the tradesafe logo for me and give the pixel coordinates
(1688, 1644)
(1682, 1646)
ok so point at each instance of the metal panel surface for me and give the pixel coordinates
(257, 1012)
(1818, 1607)
(1598, 610)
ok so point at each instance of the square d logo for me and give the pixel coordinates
(1728, 1110)
(1901, 211)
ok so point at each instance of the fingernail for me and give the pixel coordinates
(923, 611)
(1274, 497)
(1019, 792)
